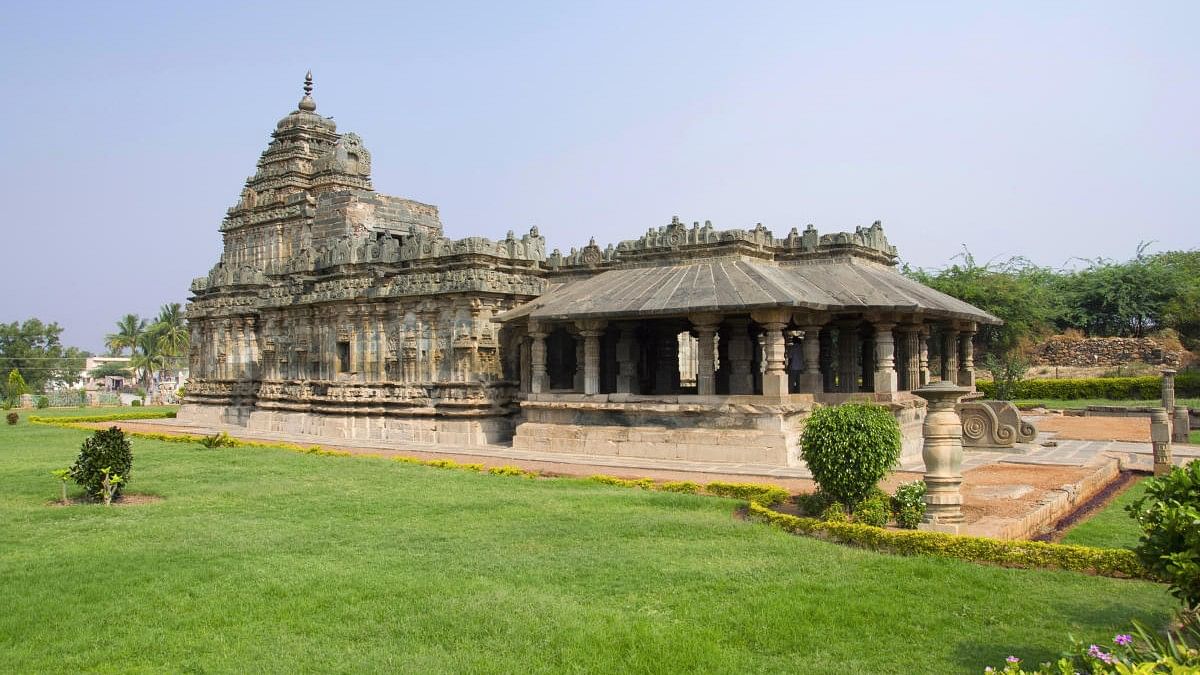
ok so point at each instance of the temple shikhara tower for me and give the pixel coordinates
(339, 312)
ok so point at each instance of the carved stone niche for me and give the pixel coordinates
(993, 424)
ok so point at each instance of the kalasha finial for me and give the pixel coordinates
(307, 103)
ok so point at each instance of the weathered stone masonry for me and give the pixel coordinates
(340, 312)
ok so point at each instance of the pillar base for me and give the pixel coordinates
(886, 381)
(775, 384)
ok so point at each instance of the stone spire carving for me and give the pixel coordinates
(307, 104)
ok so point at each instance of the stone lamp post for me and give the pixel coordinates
(943, 453)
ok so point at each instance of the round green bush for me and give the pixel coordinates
(107, 449)
(849, 448)
(1169, 517)
(908, 504)
(873, 512)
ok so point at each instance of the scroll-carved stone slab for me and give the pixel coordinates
(993, 424)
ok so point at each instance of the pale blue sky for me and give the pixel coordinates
(1042, 129)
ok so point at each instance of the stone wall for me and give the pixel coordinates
(1063, 350)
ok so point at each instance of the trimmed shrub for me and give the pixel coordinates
(12, 418)
(908, 504)
(873, 512)
(643, 483)
(107, 449)
(1187, 385)
(849, 448)
(112, 417)
(684, 486)
(1169, 516)
(135, 403)
(751, 492)
(1109, 562)
(42, 402)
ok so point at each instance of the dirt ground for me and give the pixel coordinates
(1132, 429)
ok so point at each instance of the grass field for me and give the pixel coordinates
(1110, 527)
(94, 410)
(278, 562)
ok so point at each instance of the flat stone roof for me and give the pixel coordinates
(740, 284)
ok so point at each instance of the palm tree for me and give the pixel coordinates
(129, 330)
(148, 358)
(172, 330)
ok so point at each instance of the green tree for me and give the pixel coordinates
(1119, 298)
(148, 358)
(16, 386)
(1015, 291)
(129, 329)
(109, 370)
(171, 328)
(36, 349)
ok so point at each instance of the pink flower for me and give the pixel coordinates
(1013, 659)
(1123, 639)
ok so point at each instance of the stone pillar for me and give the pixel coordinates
(706, 352)
(537, 359)
(381, 343)
(886, 380)
(1182, 425)
(1160, 441)
(523, 371)
(924, 356)
(741, 380)
(966, 358)
(828, 372)
(627, 359)
(774, 379)
(949, 355)
(848, 349)
(580, 358)
(1168, 390)
(591, 331)
(911, 378)
(811, 381)
(942, 452)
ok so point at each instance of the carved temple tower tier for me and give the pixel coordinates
(344, 313)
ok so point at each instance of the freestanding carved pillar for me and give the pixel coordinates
(966, 358)
(1168, 390)
(811, 382)
(741, 380)
(1181, 426)
(949, 355)
(775, 379)
(591, 331)
(627, 359)
(706, 331)
(942, 453)
(1160, 441)
(924, 356)
(848, 348)
(886, 380)
(537, 359)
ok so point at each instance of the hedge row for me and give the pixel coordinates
(1187, 385)
(1108, 562)
(111, 417)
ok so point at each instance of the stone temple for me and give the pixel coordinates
(338, 312)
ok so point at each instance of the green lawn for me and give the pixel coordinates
(94, 410)
(279, 562)
(1111, 527)
(1085, 402)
